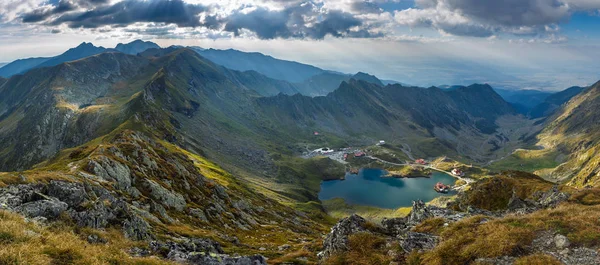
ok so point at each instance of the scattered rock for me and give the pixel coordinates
(337, 239)
(561, 241)
(552, 197)
(95, 239)
(418, 242)
(284, 247)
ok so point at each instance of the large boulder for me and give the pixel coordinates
(69, 192)
(111, 170)
(50, 209)
(337, 239)
(136, 228)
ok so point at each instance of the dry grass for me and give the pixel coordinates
(478, 237)
(24, 242)
(537, 259)
(431, 226)
(364, 249)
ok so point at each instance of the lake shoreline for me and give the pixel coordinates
(375, 187)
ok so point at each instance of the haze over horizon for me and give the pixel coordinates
(532, 44)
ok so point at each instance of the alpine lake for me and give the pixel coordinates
(371, 187)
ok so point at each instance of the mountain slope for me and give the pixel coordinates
(274, 68)
(63, 106)
(574, 131)
(524, 99)
(83, 50)
(20, 66)
(553, 102)
(359, 108)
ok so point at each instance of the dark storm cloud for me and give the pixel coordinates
(42, 14)
(132, 11)
(479, 18)
(297, 20)
(512, 12)
(290, 23)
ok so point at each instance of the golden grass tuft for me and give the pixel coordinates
(24, 242)
(537, 259)
(364, 249)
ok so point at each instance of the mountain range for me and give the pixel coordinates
(200, 152)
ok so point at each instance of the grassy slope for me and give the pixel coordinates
(23, 242)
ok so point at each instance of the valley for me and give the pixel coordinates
(204, 156)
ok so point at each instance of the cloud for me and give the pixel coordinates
(272, 19)
(304, 21)
(486, 18)
(301, 19)
(97, 13)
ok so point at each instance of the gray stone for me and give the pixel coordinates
(284, 247)
(49, 209)
(198, 213)
(552, 197)
(69, 192)
(157, 208)
(337, 239)
(136, 228)
(111, 170)
(413, 241)
(171, 200)
(418, 213)
(561, 241)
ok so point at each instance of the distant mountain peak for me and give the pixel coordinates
(367, 77)
(136, 46)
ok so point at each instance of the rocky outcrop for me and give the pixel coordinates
(50, 209)
(136, 228)
(337, 239)
(169, 199)
(111, 170)
(199, 251)
(552, 197)
(418, 213)
(413, 241)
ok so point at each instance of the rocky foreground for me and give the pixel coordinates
(411, 240)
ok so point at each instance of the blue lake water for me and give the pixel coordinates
(368, 187)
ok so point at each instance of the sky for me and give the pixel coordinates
(519, 44)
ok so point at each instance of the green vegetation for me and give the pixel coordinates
(338, 208)
(494, 193)
(528, 161)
